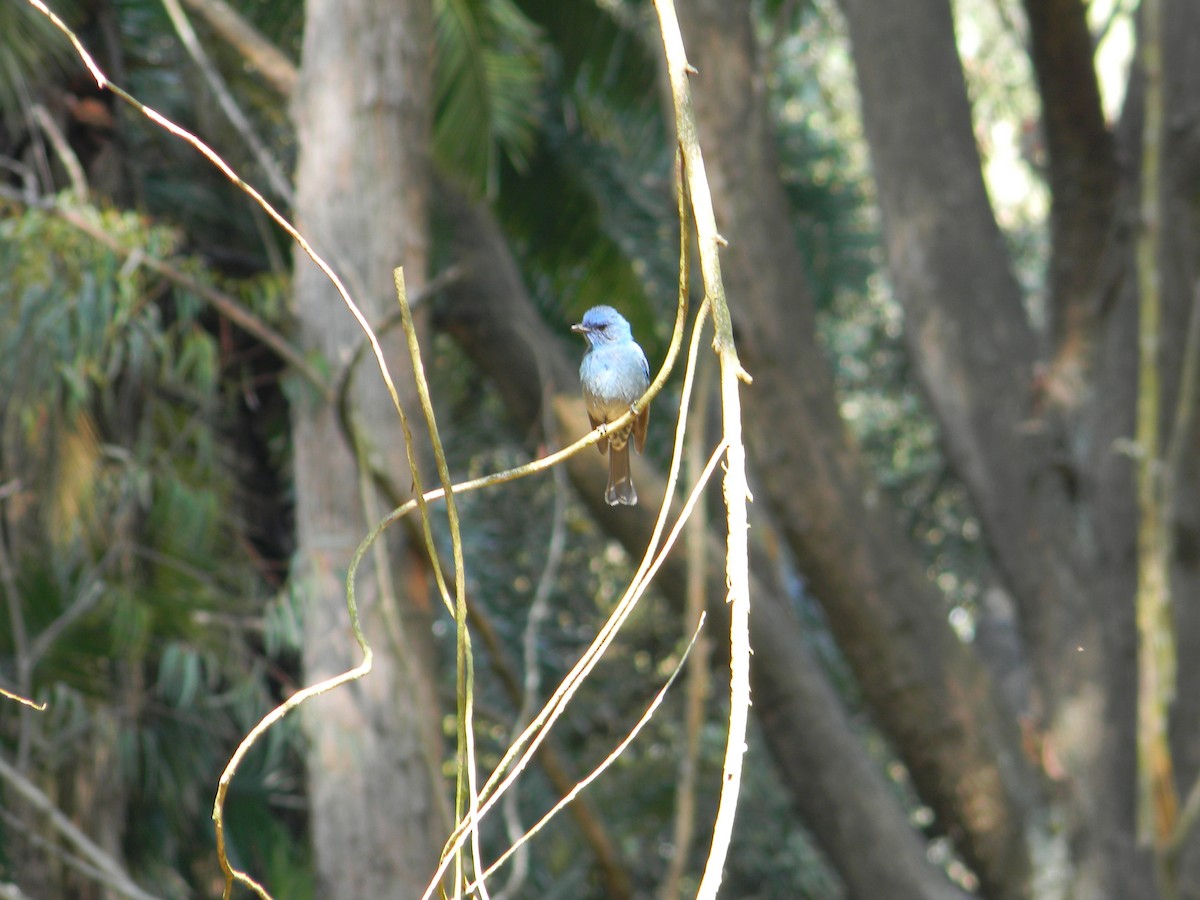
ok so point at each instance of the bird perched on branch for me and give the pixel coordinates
(614, 374)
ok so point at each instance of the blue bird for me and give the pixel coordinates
(614, 374)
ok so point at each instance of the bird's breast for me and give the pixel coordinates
(611, 382)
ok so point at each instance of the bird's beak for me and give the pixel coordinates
(580, 328)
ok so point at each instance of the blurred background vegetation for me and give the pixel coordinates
(144, 447)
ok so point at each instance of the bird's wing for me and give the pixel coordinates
(640, 423)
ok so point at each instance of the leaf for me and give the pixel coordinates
(601, 50)
(71, 512)
(487, 74)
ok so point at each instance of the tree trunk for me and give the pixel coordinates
(975, 353)
(1037, 436)
(362, 114)
(932, 697)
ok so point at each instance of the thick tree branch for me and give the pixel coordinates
(1082, 168)
(966, 328)
(255, 49)
(965, 324)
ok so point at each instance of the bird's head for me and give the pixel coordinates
(603, 325)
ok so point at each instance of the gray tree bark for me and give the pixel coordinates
(1033, 423)
(978, 360)
(362, 113)
(929, 693)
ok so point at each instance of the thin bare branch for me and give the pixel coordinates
(557, 703)
(113, 875)
(63, 149)
(467, 792)
(737, 493)
(24, 701)
(1157, 799)
(696, 683)
(279, 71)
(607, 761)
(183, 27)
(522, 749)
(539, 609)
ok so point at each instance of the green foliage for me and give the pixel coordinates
(126, 540)
(486, 78)
(581, 250)
(280, 21)
(600, 50)
(590, 216)
(821, 151)
(32, 49)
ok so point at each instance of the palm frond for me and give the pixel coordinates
(487, 75)
(601, 49)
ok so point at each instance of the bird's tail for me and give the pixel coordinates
(620, 485)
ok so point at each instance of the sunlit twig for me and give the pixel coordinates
(737, 492)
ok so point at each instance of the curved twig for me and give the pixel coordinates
(737, 492)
